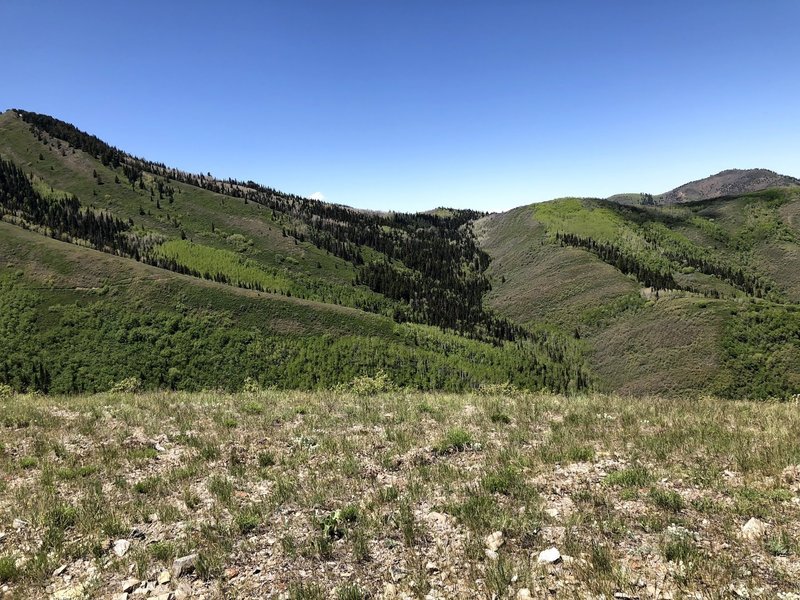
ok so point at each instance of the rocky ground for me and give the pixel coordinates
(399, 495)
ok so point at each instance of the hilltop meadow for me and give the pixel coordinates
(374, 492)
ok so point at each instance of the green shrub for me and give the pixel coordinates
(350, 592)
(636, 476)
(129, 385)
(8, 569)
(266, 459)
(221, 487)
(455, 440)
(28, 462)
(369, 385)
(498, 389)
(247, 521)
(502, 481)
(667, 499)
(303, 591)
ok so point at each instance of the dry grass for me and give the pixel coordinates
(334, 495)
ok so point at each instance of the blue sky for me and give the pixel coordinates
(409, 105)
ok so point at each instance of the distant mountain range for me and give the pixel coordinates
(114, 268)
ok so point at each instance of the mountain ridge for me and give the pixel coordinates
(568, 295)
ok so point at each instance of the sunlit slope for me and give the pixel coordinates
(665, 299)
(78, 319)
(202, 216)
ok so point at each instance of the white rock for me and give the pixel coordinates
(491, 554)
(754, 529)
(71, 593)
(524, 594)
(18, 524)
(494, 540)
(183, 565)
(121, 547)
(389, 591)
(164, 577)
(130, 584)
(549, 556)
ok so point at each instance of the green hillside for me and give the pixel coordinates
(697, 297)
(113, 267)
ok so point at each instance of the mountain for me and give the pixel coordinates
(697, 297)
(116, 268)
(728, 183)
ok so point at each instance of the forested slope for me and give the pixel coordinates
(697, 297)
(363, 291)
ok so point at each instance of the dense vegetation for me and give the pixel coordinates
(65, 347)
(452, 316)
(718, 316)
(430, 264)
(761, 352)
(61, 218)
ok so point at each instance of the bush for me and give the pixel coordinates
(369, 385)
(499, 389)
(636, 476)
(6, 391)
(667, 499)
(251, 387)
(8, 569)
(129, 385)
(455, 440)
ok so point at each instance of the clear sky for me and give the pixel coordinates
(413, 104)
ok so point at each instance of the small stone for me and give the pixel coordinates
(231, 572)
(121, 547)
(491, 554)
(59, 570)
(164, 578)
(70, 593)
(494, 540)
(431, 567)
(754, 529)
(19, 524)
(551, 512)
(183, 591)
(524, 594)
(549, 556)
(121, 596)
(152, 518)
(740, 591)
(389, 591)
(130, 584)
(183, 565)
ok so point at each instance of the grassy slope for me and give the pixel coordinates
(195, 209)
(73, 273)
(282, 492)
(639, 344)
(94, 319)
(543, 281)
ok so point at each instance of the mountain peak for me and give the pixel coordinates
(730, 182)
